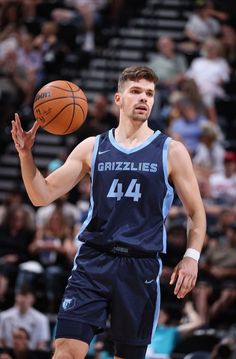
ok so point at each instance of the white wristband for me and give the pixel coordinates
(192, 253)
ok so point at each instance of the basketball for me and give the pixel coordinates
(60, 107)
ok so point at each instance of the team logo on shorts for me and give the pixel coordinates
(68, 303)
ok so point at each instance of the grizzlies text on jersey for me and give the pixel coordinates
(130, 194)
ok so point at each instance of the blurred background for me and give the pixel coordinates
(191, 45)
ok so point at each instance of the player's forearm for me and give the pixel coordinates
(35, 183)
(196, 230)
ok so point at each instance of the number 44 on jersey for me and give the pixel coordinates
(133, 190)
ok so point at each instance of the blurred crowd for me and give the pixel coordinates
(37, 245)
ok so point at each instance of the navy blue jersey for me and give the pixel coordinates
(130, 194)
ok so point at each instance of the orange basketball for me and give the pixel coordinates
(60, 107)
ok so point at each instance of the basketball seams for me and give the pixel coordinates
(60, 98)
(58, 83)
(73, 113)
(60, 107)
(61, 88)
(77, 104)
(61, 110)
(56, 115)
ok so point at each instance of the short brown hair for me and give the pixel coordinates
(135, 73)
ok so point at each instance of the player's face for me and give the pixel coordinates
(136, 99)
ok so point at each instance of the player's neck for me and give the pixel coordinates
(131, 135)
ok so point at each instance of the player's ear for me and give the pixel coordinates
(117, 98)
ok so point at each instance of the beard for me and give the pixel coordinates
(137, 117)
(134, 114)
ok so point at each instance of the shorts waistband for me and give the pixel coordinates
(123, 251)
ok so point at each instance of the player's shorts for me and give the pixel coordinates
(104, 285)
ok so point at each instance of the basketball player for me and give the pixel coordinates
(117, 268)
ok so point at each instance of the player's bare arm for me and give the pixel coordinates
(182, 175)
(43, 191)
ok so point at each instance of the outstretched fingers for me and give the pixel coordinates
(16, 138)
(34, 129)
(23, 140)
(18, 123)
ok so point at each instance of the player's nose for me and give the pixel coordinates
(143, 98)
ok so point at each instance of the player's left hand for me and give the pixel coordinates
(23, 140)
(185, 276)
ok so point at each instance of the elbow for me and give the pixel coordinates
(36, 203)
(39, 202)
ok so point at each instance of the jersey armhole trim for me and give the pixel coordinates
(90, 212)
(95, 151)
(165, 162)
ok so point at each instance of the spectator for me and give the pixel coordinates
(213, 209)
(17, 77)
(170, 67)
(223, 184)
(15, 238)
(189, 89)
(17, 83)
(30, 57)
(226, 218)
(24, 315)
(16, 198)
(47, 44)
(186, 128)
(20, 349)
(210, 152)
(47, 39)
(200, 25)
(53, 248)
(170, 332)
(99, 119)
(69, 210)
(217, 289)
(210, 72)
(11, 18)
(87, 10)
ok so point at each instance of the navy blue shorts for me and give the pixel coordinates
(101, 286)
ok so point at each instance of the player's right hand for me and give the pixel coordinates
(23, 140)
(184, 276)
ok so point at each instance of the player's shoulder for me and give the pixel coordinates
(86, 144)
(85, 148)
(177, 148)
(178, 154)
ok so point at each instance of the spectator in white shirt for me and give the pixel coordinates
(210, 72)
(200, 25)
(223, 184)
(22, 314)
